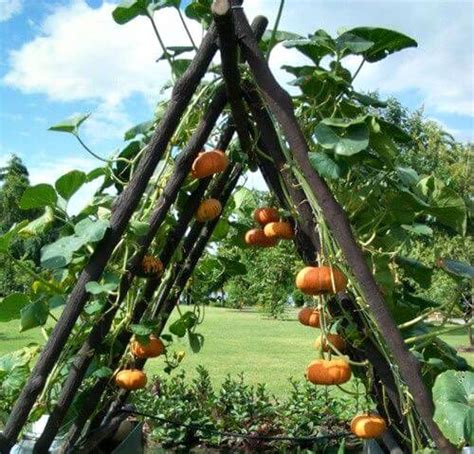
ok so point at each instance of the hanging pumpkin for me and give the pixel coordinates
(150, 267)
(281, 229)
(335, 339)
(318, 280)
(328, 372)
(208, 209)
(309, 316)
(368, 425)
(131, 379)
(208, 163)
(265, 215)
(256, 237)
(152, 349)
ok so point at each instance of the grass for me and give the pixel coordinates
(266, 350)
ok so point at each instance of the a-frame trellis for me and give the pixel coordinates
(271, 111)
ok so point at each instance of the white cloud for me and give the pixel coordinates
(10, 8)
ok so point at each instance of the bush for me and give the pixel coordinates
(241, 408)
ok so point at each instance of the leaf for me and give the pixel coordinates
(111, 282)
(279, 37)
(129, 9)
(159, 4)
(344, 141)
(91, 231)
(179, 66)
(243, 197)
(196, 341)
(421, 273)
(71, 124)
(69, 184)
(39, 225)
(38, 196)
(233, 267)
(325, 166)
(59, 254)
(385, 41)
(349, 43)
(200, 10)
(33, 315)
(408, 176)
(418, 229)
(315, 47)
(368, 100)
(11, 305)
(103, 372)
(139, 228)
(139, 129)
(56, 301)
(456, 268)
(7, 238)
(453, 396)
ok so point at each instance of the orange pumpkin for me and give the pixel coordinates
(314, 280)
(309, 316)
(152, 349)
(150, 267)
(208, 163)
(131, 379)
(335, 339)
(265, 215)
(208, 209)
(368, 426)
(328, 372)
(256, 237)
(281, 229)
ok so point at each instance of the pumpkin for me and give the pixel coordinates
(368, 426)
(314, 280)
(208, 163)
(309, 316)
(281, 229)
(150, 267)
(131, 379)
(265, 215)
(152, 349)
(328, 372)
(256, 237)
(208, 209)
(335, 339)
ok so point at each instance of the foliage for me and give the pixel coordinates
(237, 407)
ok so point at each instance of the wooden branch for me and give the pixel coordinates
(281, 106)
(231, 74)
(121, 214)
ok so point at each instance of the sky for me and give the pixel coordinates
(63, 57)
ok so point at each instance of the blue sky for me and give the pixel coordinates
(62, 57)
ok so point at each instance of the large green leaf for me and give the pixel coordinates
(91, 231)
(416, 270)
(39, 225)
(345, 141)
(385, 42)
(68, 184)
(453, 396)
(139, 129)
(326, 166)
(59, 254)
(456, 268)
(315, 47)
(408, 176)
(279, 37)
(71, 124)
(129, 9)
(244, 198)
(200, 10)
(33, 315)
(109, 284)
(11, 305)
(38, 196)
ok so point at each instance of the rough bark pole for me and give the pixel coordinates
(122, 211)
(230, 71)
(198, 237)
(281, 106)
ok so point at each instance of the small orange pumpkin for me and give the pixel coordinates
(328, 372)
(208, 163)
(317, 280)
(256, 237)
(280, 229)
(335, 339)
(208, 209)
(150, 267)
(368, 425)
(265, 215)
(131, 379)
(152, 349)
(309, 316)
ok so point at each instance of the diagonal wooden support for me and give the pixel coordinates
(280, 104)
(121, 214)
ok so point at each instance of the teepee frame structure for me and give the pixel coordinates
(262, 106)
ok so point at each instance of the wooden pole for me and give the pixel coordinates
(279, 102)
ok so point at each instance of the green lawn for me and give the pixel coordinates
(266, 350)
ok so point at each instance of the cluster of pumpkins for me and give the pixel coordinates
(323, 280)
(271, 228)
